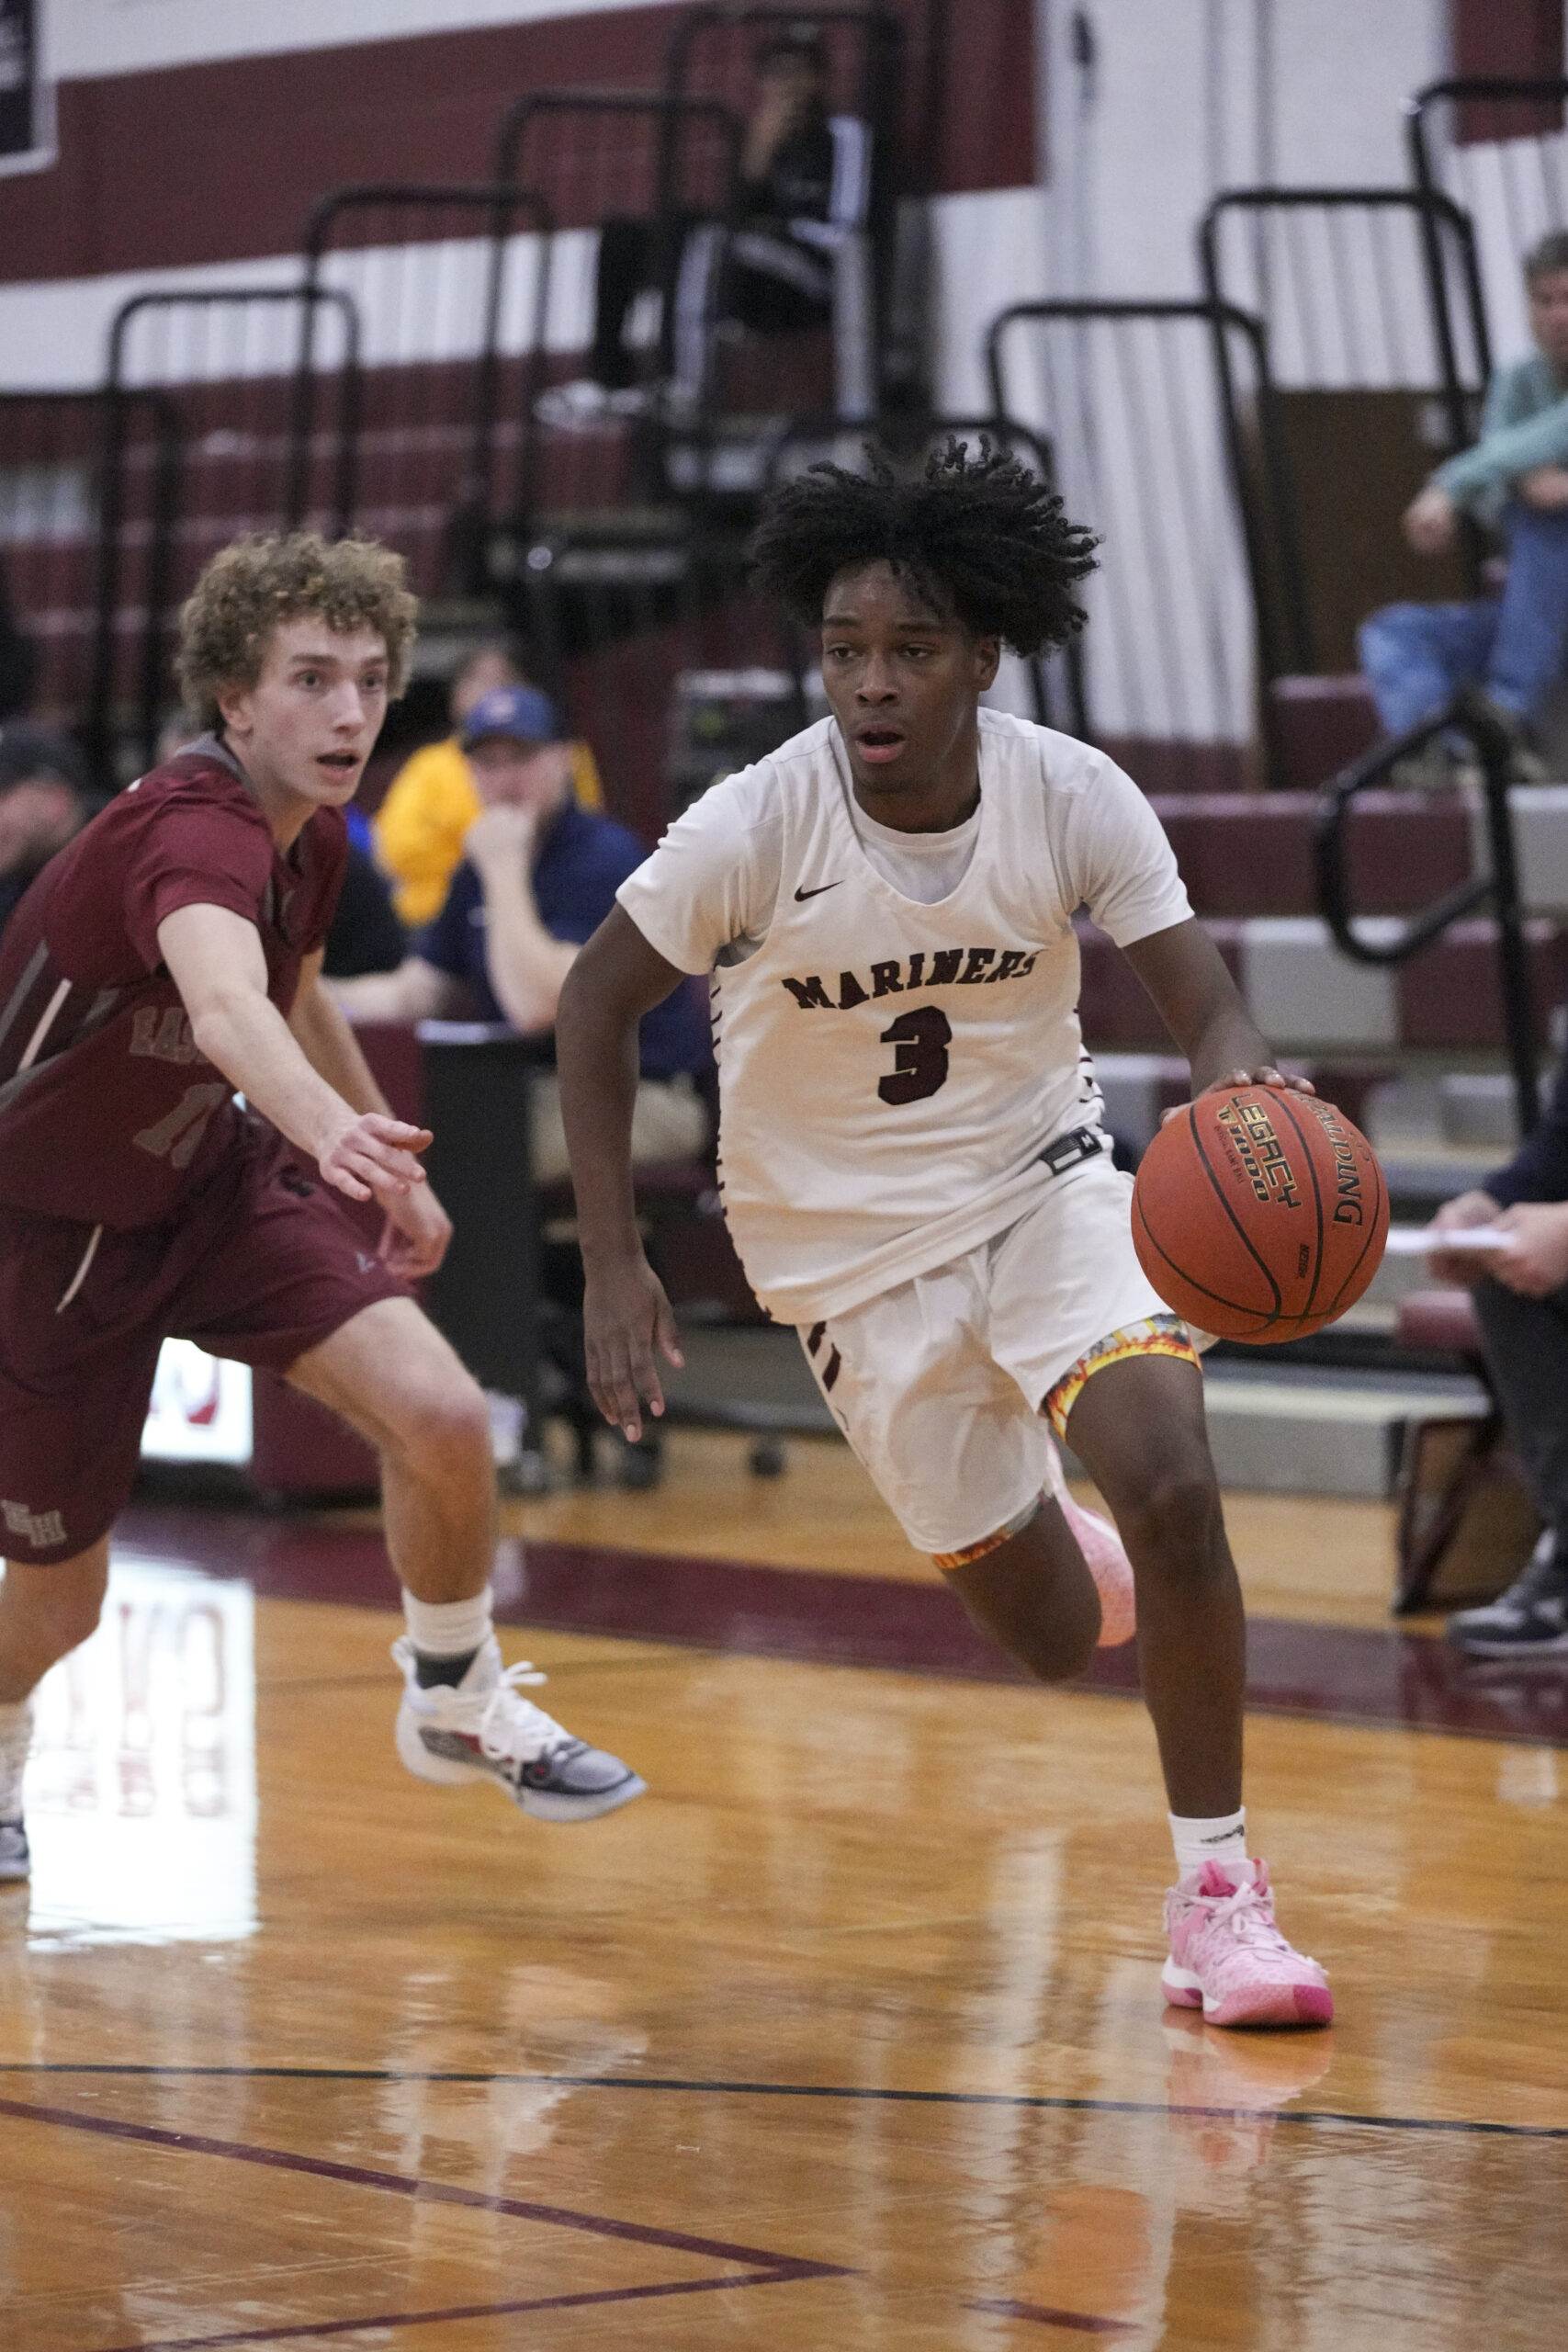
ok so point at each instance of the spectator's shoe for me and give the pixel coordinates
(583, 405)
(16, 1736)
(1227, 1955)
(1525, 762)
(483, 1729)
(1107, 1563)
(1530, 1620)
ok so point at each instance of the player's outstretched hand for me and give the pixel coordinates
(373, 1157)
(626, 1318)
(416, 1234)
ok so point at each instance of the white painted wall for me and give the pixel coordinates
(85, 38)
(1185, 97)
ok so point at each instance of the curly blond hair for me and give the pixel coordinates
(256, 584)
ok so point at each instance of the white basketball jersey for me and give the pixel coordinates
(890, 1073)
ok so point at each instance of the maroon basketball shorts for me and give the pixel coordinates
(266, 1262)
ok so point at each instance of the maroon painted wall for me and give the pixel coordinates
(220, 161)
(1507, 40)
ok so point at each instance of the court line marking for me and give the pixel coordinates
(1040, 2101)
(763, 2270)
(315, 2329)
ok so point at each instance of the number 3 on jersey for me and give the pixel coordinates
(919, 1066)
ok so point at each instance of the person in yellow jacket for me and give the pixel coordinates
(431, 802)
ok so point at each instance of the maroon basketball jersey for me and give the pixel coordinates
(109, 1114)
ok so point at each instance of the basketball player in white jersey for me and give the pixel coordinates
(913, 1164)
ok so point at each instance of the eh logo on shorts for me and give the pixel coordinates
(41, 1529)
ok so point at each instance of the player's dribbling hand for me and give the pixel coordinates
(373, 1157)
(626, 1317)
(415, 1237)
(1234, 1079)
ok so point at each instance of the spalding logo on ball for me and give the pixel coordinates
(1259, 1214)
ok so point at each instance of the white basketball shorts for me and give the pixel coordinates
(938, 1383)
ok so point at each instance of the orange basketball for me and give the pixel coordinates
(1259, 1214)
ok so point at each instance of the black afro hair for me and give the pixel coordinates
(977, 535)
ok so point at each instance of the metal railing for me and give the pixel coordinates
(1498, 148)
(205, 372)
(51, 447)
(1498, 886)
(1188, 490)
(443, 314)
(685, 166)
(1318, 269)
(1371, 301)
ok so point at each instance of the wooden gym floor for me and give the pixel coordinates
(847, 2035)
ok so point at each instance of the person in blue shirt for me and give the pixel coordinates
(539, 874)
(1515, 483)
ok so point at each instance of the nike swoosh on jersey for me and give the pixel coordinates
(817, 893)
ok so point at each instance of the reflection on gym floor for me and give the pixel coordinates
(142, 1789)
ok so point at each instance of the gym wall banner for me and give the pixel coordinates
(27, 100)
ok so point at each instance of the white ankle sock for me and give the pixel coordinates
(449, 1628)
(1222, 1840)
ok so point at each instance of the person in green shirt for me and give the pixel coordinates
(1515, 483)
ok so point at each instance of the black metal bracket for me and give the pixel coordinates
(1470, 716)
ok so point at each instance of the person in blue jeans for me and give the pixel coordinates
(1514, 482)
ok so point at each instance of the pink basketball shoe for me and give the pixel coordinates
(1107, 1563)
(1227, 1953)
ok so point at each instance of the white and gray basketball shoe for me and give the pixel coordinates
(483, 1729)
(16, 1737)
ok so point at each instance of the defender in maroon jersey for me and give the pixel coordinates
(166, 960)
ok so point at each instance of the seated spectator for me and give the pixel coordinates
(46, 797)
(804, 177)
(1521, 1301)
(431, 802)
(1514, 481)
(539, 875)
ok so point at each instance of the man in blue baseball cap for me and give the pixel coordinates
(539, 874)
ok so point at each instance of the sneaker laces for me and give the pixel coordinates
(512, 1729)
(1249, 1914)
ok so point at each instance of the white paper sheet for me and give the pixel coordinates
(1420, 1241)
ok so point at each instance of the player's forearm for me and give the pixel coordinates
(596, 1058)
(1232, 1041)
(333, 1050)
(1199, 1002)
(244, 1034)
(526, 965)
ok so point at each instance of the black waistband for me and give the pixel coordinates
(1078, 1143)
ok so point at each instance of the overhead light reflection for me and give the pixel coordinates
(141, 1785)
